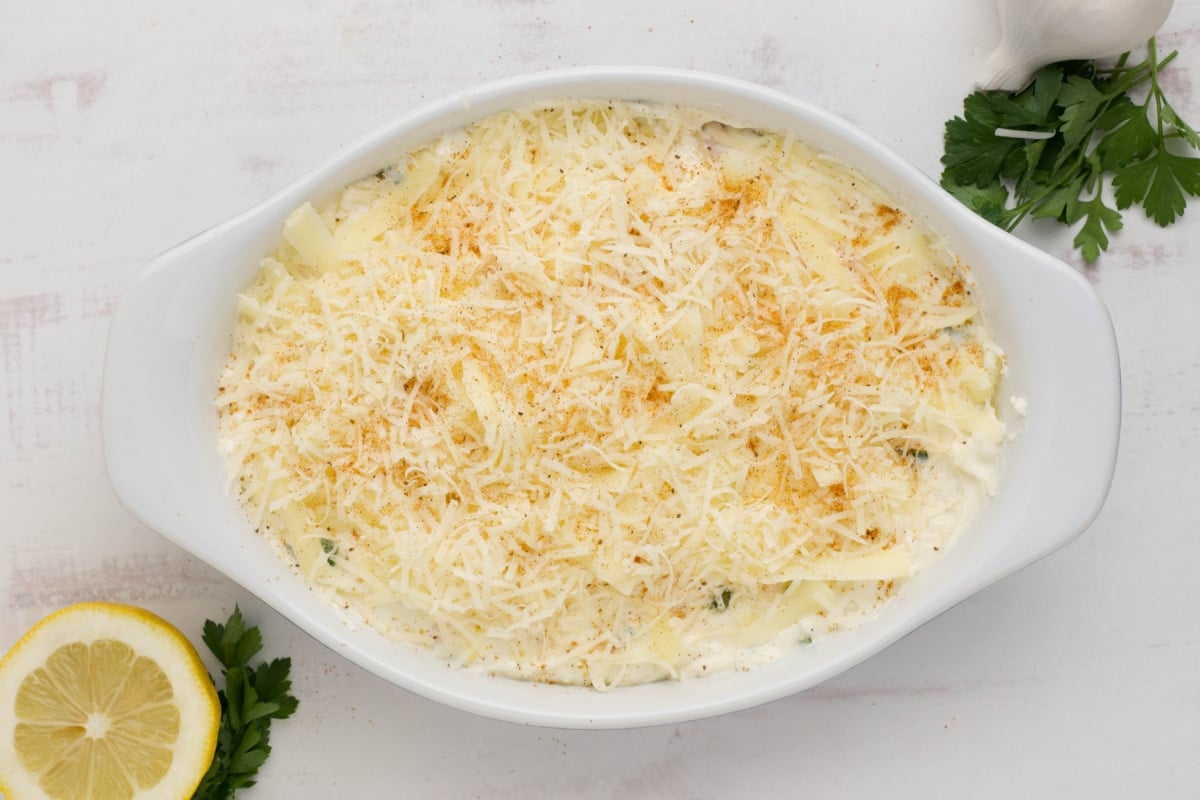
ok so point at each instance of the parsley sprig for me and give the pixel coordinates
(1051, 150)
(252, 697)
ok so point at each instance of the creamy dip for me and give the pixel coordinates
(607, 393)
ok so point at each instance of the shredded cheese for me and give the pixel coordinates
(604, 393)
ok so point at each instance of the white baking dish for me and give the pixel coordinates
(171, 332)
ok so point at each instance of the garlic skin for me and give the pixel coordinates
(1034, 33)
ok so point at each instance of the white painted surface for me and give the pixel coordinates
(126, 127)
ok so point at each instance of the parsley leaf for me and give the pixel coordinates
(1098, 221)
(1185, 131)
(1050, 150)
(1158, 183)
(1129, 135)
(974, 152)
(989, 202)
(252, 697)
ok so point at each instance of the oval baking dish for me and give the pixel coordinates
(171, 333)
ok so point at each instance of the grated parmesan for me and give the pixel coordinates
(606, 393)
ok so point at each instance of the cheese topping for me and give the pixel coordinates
(604, 393)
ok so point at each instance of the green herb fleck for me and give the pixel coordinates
(252, 697)
(720, 602)
(919, 455)
(330, 547)
(1092, 135)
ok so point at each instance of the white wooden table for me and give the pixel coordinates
(127, 126)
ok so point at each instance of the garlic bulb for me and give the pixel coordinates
(1034, 33)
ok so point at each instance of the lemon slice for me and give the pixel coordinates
(104, 702)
